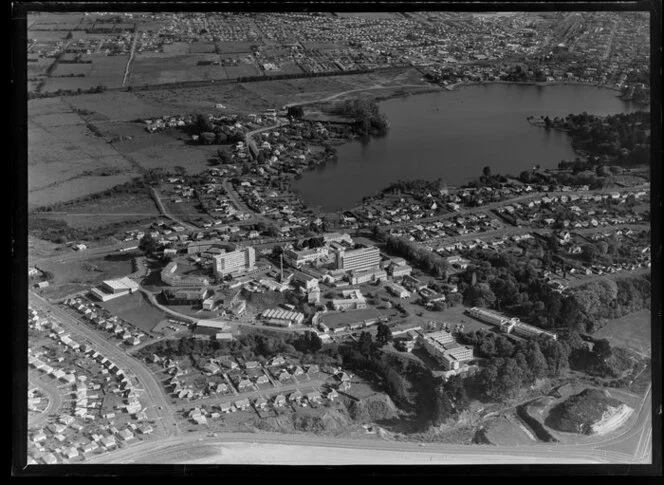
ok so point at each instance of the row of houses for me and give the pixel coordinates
(101, 319)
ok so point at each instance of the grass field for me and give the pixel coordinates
(119, 105)
(631, 331)
(72, 276)
(136, 310)
(340, 319)
(507, 432)
(101, 212)
(163, 69)
(60, 149)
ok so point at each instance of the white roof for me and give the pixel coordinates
(122, 284)
(211, 324)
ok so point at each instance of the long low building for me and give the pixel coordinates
(397, 290)
(353, 300)
(111, 289)
(442, 347)
(171, 278)
(282, 318)
(509, 325)
(358, 277)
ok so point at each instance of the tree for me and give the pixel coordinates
(486, 171)
(589, 252)
(296, 112)
(224, 157)
(365, 344)
(221, 137)
(203, 123)
(602, 348)
(148, 244)
(383, 334)
(208, 137)
(536, 360)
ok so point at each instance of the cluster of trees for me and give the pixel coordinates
(622, 139)
(487, 179)
(306, 347)
(428, 261)
(368, 119)
(296, 112)
(275, 77)
(414, 187)
(605, 299)
(513, 365)
(502, 282)
(66, 92)
(59, 232)
(210, 133)
(312, 242)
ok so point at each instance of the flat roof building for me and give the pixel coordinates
(282, 318)
(357, 259)
(235, 262)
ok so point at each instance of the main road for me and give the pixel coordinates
(132, 366)
(357, 451)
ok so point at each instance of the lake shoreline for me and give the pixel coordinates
(601, 103)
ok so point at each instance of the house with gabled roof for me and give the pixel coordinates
(244, 385)
(295, 396)
(262, 379)
(278, 360)
(279, 400)
(296, 370)
(226, 407)
(260, 403)
(242, 404)
(283, 376)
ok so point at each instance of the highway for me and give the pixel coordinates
(601, 450)
(614, 448)
(132, 366)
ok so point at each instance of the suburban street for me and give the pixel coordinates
(601, 451)
(133, 367)
(53, 394)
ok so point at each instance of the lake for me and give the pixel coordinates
(454, 134)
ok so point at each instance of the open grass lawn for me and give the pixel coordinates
(164, 69)
(504, 431)
(74, 276)
(61, 149)
(136, 310)
(102, 212)
(340, 319)
(631, 331)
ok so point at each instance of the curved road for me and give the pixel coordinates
(54, 396)
(173, 449)
(147, 382)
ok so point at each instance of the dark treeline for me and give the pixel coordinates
(622, 139)
(368, 119)
(424, 259)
